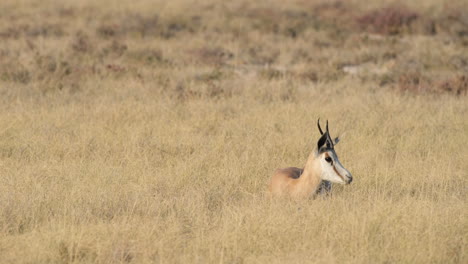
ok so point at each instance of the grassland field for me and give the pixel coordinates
(147, 131)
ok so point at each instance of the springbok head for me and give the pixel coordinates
(332, 170)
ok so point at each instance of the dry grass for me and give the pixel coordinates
(146, 132)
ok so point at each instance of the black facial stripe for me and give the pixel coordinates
(338, 173)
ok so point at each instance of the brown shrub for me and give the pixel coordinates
(388, 20)
(412, 82)
(289, 22)
(148, 56)
(149, 26)
(210, 76)
(262, 55)
(457, 85)
(45, 30)
(16, 31)
(335, 13)
(133, 23)
(115, 48)
(82, 43)
(454, 21)
(213, 56)
(16, 75)
(108, 30)
(309, 76)
(416, 83)
(115, 68)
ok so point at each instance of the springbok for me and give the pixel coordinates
(321, 169)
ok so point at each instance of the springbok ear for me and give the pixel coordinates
(336, 140)
(340, 137)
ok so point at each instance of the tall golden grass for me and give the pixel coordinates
(146, 132)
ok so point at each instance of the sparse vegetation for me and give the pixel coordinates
(388, 20)
(146, 132)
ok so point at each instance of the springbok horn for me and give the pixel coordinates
(329, 138)
(320, 129)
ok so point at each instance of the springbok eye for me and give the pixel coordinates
(328, 159)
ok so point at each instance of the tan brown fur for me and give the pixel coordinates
(296, 182)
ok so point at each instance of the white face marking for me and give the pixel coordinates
(332, 170)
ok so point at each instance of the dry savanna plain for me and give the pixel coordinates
(147, 131)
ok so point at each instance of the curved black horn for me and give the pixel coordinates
(320, 129)
(329, 140)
